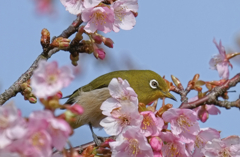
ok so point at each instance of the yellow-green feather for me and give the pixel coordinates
(138, 80)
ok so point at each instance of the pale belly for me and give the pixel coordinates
(91, 102)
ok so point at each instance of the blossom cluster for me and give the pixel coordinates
(120, 14)
(143, 133)
(35, 136)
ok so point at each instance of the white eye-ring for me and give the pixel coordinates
(153, 84)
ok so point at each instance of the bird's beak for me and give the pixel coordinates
(169, 95)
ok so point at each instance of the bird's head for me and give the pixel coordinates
(150, 86)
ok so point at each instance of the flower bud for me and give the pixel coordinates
(90, 151)
(135, 13)
(75, 109)
(32, 100)
(177, 82)
(203, 114)
(81, 30)
(79, 36)
(24, 85)
(163, 109)
(74, 58)
(156, 143)
(98, 52)
(225, 96)
(142, 107)
(45, 38)
(59, 95)
(61, 42)
(68, 116)
(53, 104)
(106, 142)
(27, 90)
(97, 38)
(108, 42)
(74, 63)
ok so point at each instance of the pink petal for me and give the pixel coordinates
(231, 140)
(170, 114)
(207, 134)
(223, 70)
(213, 110)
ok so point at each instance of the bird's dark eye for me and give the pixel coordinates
(153, 84)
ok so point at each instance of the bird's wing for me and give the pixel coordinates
(91, 86)
(100, 82)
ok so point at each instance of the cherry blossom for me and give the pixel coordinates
(172, 145)
(183, 123)
(124, 17)
(229, 147)
(77, 6)
(12, 125)
(131, 143)
(121, 93)
(37, 142)
(204, 110)
(98, 18)
(151, 125)
(220, 62)
(121, 118)
(47, 79)
(58, 129)
(205, 135)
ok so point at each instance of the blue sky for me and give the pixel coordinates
(170, 38)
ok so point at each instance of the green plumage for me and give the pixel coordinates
(138, 80)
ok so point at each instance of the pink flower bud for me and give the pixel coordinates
(203, 114)
(156, 143)
(97, 38)
(108, 42)
(32, 100)
(76, 109)
(98, 52)
(106, 142)
(59, 94)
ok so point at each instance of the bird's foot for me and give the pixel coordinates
(98, 139)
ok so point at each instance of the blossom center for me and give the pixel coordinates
(133, 147)
(38, 139)
(224, 153)
(184, 122)
(147, 121)
(119, 12)
(172, 150)
(51, 79)
(199, 142)
(124, 120)
(99, 18)
(218, 59)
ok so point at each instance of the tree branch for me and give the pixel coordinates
(45, 55)
(212, 97)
